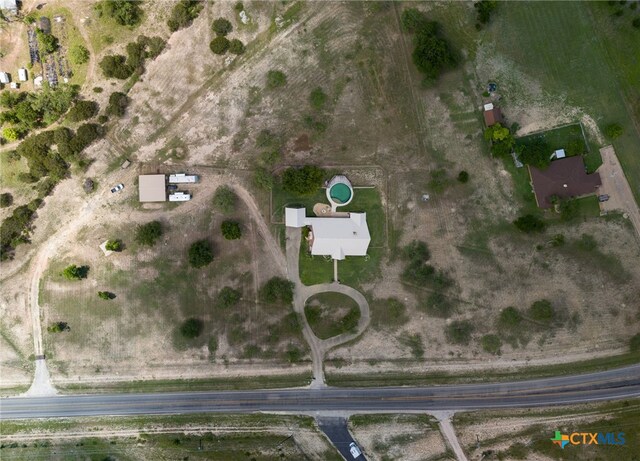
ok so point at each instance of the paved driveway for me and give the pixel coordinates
(615, 184)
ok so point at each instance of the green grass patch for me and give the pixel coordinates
(330, 314)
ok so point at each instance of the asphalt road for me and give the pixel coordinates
(608, 385)
(338, 432)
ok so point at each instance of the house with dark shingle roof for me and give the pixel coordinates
(565, 178)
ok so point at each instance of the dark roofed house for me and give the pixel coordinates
(564, 178)
(492, 114)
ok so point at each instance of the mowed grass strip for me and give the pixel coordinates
(579, 63)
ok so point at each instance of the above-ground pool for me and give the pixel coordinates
(340, 193)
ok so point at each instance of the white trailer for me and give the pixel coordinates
(22, 74)
(179, 197)
(4, 77)
(182, 178)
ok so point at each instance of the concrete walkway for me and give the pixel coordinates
(319, 347)
(449, 434)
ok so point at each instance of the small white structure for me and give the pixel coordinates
(152, 188)
(182, 178)
(560, 153)
(179, 197)
(37, 82)
(14, 85)
(488, 106)
(4, 77)
(335, 236)
(22, 74)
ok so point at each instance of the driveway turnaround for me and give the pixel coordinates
(622, 383)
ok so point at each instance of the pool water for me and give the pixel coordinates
(340, 193)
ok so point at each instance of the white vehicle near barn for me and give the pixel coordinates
(179, 197)
(182, 178)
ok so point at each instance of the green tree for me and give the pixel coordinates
(510, 318)
(459, 332)
(78, 54)
(148, 234)
(106, 295)
(219, 45)
(277, 290)
(6, 200)
(83, 110)
(200, 254)
(124, 12)
(118, 103)
(222, 27)
(46, 42)
(542, 311)
(10, 134)
(275, 79)
(225, 199)
(530, 223)
(318, 98)
(228, 297)
(613, 131)
(463, 177)
(497, 133)
(414, 20)
(115, 66)
(192, 328)
(231, 230)
(491, 344)
(183, 14)
(302, 181)
(58, 327)
(484, 9)
(73, 272)
(236, 46)
(537, 153)
(114, 245)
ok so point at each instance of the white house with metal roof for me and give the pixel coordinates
(335, 236)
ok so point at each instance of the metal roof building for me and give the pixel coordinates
(152, 188)
(335, 236)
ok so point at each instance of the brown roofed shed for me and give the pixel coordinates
(492, 116)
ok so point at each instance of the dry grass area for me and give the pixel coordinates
(407, 437)
(192, 111)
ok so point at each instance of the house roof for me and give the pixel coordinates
(152, 188)
(565, 178)
(334, 236)
(492, 116)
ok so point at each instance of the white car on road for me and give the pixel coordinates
(355, 451)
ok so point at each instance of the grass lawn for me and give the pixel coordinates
(593, 62)
(331, 314)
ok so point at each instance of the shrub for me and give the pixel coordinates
(277, 290)
(416, 250)
(491, 344)
(200, 254)
(530, 223)
(114, 245)
(439, 305)
(225, 199)
(236, 46)
(263, 179)
(318, 98)
(231, 230)
(191, 328)
(537, 153)
(439, 181)
(222, 27)
(413, 20)
(219, 45)
(613, 131)
(106, 295)
(78, 54)
(276, 78)
(558, 240)
(212, 345)
(10, 134)
(542, 311)
(118, 103)
(634, 343)
(83, 110)
(228, 297)
(6, 200)
(74, 272)
(484, 9)
(238, 7)
(15, 230)
(148, 234)
(115, 66)
(459, 331)
(98, 89)
(183, 14)
(302, 181)
(586, 242)
(510, 318)
(58, 327)
(463, 177)
(124, 12)
(293, 354)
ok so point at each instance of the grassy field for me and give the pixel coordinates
(331, 314)
(590, 62)
(529, 440)
(233, 438)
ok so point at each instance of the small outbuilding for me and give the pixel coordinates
(492, 114)
(22, 74)
(152, 188)
(5, 77)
